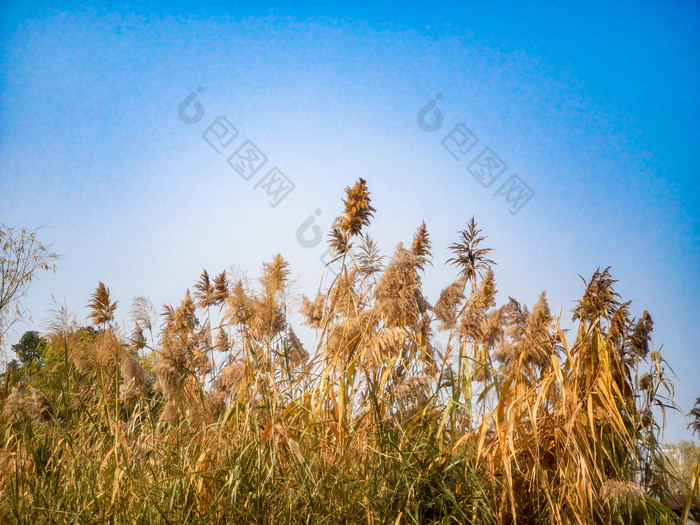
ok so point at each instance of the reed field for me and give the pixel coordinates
(213, 411)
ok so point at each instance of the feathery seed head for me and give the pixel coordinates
(638, 345)
(221, 291)
(168, 377)
(295, 349)
(268, 318)
(101, 307)
(204, 291)
(222, 343)
(313, 312)
(185, 319)
(170, 412)
(421, 246)
(621, 494)
(398, 290)
(132, 371)
(229, 379)
(42, 409)
(446, 307)
(599, 300)
(240, 308)
(15, 408)
(358, 210)
(275, 275)
(471, 259)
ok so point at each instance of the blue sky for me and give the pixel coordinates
(593, 105)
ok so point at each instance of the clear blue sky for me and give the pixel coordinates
(594, 105)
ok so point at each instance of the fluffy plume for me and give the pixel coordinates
(398, 291)
(41, 408)
(421, 246)
(204, 291)
(62, 320)
(638, 345)
(138, 339)
(338, 241)
(471, 259)
(268, 318)
(645, 382)
(108, 350)
(170, 412)
(275, 275)
(621, 494)
(102, 309)
(470, 323)
(313, 312)
(385, 346)
(619, 325)
(412, 386)
(222, 343)
(169, 377)
(486, 296)
(446, 307)
(358, 210)
(343, 297)
(15, 407)
(412, 396)
(240, 307)
(491, 329)
(694, 416)
(369, 259)
(134, 379)
(296, 352)
(346, 337)
(168, 316)
(142, 312)
(600, 299)
(530, 342)
(185, 319)
(221, 291)
(229, 379)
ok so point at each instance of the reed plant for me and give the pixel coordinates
(225, 416)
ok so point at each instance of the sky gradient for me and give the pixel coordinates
(593, 105)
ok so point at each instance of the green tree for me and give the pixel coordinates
(31, 348)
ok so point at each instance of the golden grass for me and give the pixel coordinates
(512, 423)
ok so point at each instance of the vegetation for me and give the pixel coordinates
(683, 475)
(225, 417)
(22, 257)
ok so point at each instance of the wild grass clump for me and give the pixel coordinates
(225, 417)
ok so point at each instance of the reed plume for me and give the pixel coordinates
(516, 421)
(358, 213)
(101, 307)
